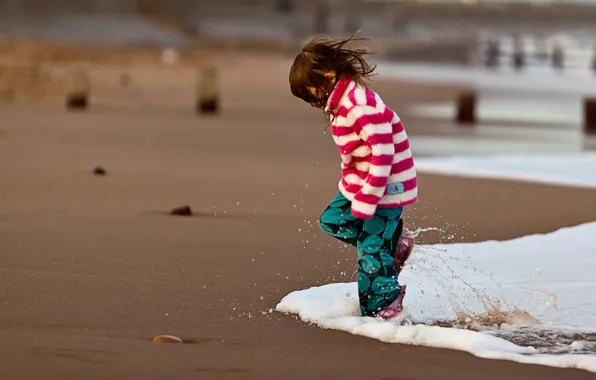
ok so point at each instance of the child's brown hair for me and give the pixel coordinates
(321, 56)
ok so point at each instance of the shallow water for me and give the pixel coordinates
(529, 299)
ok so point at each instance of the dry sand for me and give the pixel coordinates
(92, 268)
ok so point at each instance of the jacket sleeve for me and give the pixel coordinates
(373, 125)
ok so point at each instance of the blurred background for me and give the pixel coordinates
(437, 30)
(526, 63)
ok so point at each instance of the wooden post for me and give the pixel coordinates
(322, 13)
(590, 116)
(208, 91)
(352, 21)
(594, 59)
(466, 108)
(78, 96)
(493, 53)
(285, 6)
(23, 81)
(519, 56)
(7, 92)
(558, 57)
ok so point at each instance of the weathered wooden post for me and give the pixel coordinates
(352, 21)
(80, 88)
(208, 97)
(322, 13)
(400, 22)
(590, 116)
(493, 53)
(466, 108)
(594, 60)
(519, 57)
(558, 57)
(7, 91)
(285, 6)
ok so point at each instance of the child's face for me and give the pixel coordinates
(320, 93)
(317, 93)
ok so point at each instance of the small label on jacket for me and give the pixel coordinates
(395, 188)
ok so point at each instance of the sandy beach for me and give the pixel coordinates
(93, 267)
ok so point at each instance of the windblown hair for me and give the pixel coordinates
(322, 55)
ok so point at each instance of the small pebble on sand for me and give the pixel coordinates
(183, 210)
(99, 171)
(167, 339)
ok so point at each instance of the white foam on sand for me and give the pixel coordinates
(550, 277)
(576, 169)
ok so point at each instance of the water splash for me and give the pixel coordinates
(474, 296)
(420, 230)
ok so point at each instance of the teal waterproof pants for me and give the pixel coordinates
(376, 240)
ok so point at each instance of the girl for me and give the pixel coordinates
(378, 175)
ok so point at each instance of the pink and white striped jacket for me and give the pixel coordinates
(377, 164)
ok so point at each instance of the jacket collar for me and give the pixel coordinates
(334, 101)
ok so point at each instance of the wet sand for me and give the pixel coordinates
(92, 268)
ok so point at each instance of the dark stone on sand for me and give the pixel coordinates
(99, 171)
(77, 102)
(183, 211)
